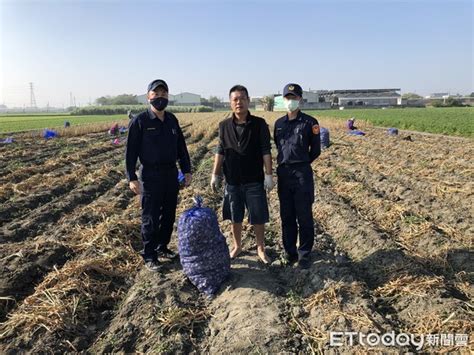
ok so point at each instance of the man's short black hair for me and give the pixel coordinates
(239, 88)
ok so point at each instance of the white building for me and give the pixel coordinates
(367, 97)
(185, 99)
(438, 95)
(310, 97)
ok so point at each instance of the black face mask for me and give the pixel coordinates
(159, 103)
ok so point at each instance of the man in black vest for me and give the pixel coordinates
(244, 150)
(156, 138)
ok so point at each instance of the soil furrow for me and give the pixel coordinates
(39, 219)
(37, 152)
(32, 259)
(425, 224)
(62, 180)
(404, 190)
(56, 162)
(102, 318)
(417, 234)
(380, 263)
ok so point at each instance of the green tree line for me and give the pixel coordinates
(124, 99)
(125, 109)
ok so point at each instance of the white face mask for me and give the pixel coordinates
(292, 105)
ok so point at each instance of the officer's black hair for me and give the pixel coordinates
(239, 88)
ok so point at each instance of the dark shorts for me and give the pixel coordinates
(252, 196)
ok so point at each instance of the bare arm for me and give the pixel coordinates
(267, 163)
(218, 161)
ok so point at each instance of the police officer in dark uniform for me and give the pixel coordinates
(298, 142)
(155, 137)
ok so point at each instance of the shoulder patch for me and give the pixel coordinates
(315, 129)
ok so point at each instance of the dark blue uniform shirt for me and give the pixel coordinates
(157, 143)
(297, 140)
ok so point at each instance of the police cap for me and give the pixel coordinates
(156, 83)
(293, 89)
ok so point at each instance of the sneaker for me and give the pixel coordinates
(289, 259)
(304, 263)
(152, 265)
(166, 253)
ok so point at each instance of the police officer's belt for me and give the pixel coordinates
(295, 165)
(160, 166)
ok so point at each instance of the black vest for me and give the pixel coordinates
(243, 160)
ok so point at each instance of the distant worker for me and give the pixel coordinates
(297, 138)
(155, 138)
(114, 129)
(350, 124)
(244, 151)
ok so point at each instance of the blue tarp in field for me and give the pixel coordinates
(392, 131)
(7, 140)
(356, 133)
(48, 134)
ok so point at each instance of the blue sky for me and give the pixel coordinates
(96, 48)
